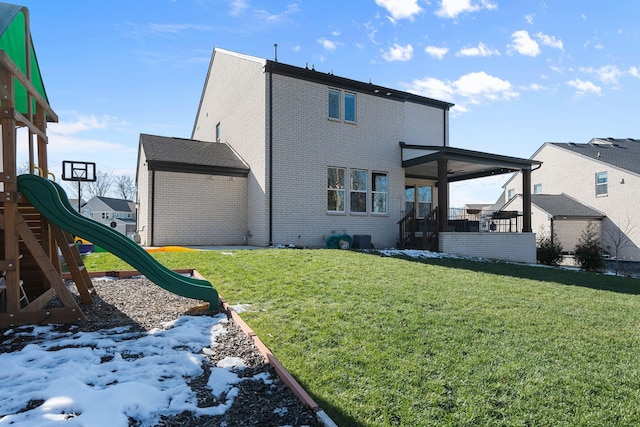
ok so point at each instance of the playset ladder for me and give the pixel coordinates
(76, 266)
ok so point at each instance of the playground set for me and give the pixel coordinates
(37, 222)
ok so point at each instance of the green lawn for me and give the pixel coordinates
(383, 341)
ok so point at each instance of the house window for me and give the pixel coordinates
(350, 107)
(409, 198)
(335, 189)
(379, 190)
(334, 104)
(537, 188)
(510, 193)
(358, 191)
(218, 132)
(601, 183)
(424, 200)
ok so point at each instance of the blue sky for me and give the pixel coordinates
(521, 73)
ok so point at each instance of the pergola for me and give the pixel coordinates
(449, 164)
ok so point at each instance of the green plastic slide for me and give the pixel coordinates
(51, 201)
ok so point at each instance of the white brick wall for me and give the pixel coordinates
(516, 247)
(236, 98)
(565, 172)
(197, 209)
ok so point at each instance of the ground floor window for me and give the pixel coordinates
(420, 196)
(379, 190)
(358, 189)
(335, 189)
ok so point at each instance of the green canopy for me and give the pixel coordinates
(13, 40)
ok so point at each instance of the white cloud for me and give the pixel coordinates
(398, 53)
(436, 52)
(473, 88)
(583, 87)
(480, 86)
(400, 9)
(453, 8)
(524, 44)
(534, 87)
(551, 41)
(276, 18)
(237, 7)
(607, 74)
(328, 44)
(529, 18)
(633, 71)
(480, 50)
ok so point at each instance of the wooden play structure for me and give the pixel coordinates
(29, 261)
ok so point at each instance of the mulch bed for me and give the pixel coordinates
(141, 305)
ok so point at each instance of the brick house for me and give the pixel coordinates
(595, 183)
(315, 155)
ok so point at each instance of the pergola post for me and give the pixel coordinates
(443, 195)
(526, 200)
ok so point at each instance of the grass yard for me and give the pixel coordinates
(381, 341)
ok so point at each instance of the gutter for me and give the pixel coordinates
(153, 206)
(270, 158)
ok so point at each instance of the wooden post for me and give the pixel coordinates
(9, 195)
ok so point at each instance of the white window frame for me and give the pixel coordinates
(375, 192)
(359, 191)
(339, 107)
(602, 188)
(337, 189)
(537, 188)
(510, 193)
(355, 107)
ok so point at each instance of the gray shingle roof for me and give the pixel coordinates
(563, 205)
(191, 156)
(118, 205)
(620, 152)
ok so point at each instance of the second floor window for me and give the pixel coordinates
(537, 188)
(350, 107)
(602, 180)
(510, 193)
(334, 104)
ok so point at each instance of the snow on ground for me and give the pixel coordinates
(414, 253)
(102, 378)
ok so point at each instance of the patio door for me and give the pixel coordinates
(418, 197)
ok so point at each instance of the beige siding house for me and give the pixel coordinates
(603, 177)
(324, 155)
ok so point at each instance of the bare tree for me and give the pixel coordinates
(125, 187)
(22, 168)
(617, 237)
(102, 184)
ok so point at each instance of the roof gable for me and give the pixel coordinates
(191, 156)
(116, 205)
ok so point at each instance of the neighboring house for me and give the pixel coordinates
(284, 155)
(560, 215)
(600, 181)
(118, 214)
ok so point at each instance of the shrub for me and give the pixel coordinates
(549, 250)
(588, 253)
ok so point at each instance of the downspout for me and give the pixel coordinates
(552, 242)
(153, 205)
(270, 158)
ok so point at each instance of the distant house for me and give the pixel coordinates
(594, 183)
(118, 214)
(284, 155)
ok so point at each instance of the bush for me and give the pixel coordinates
(588, 253)
(549, 251)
